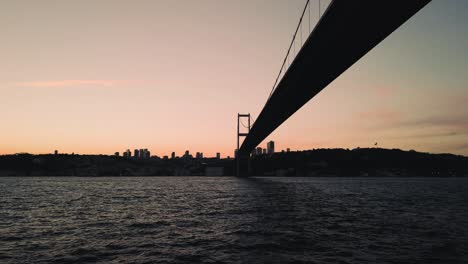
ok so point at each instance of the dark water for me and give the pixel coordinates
(230, 220)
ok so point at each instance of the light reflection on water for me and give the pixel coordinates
(232, 220)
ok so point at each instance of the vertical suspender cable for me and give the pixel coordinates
(289, 50)
(310, 28)
(300, 46)
(320, 9)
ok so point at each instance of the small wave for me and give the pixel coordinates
(148, 225)
(5, 256)
(11, 239)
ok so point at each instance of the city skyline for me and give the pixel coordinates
(144, 153)
(246, 131)
(106, 78)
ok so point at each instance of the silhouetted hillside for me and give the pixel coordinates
(360, 162)
(372, 162)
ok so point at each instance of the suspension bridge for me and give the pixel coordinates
(345, 30)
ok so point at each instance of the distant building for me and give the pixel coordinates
(136, 154)
(56, 152)
(147, 154)
(288, 150)
(218, 155)
(117, 154)
(142, 154)
(264, 151)
(259, 151)
(270, 147)
(173, 155)
(199, 155)
(165, 158)
(187, 154)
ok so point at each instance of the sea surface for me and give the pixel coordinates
(232, 220)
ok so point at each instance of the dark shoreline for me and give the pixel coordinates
(370, 162)
(231, 176)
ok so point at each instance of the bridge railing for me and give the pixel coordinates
(313, 11)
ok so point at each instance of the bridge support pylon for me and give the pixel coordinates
(243, 166)
(242, 160)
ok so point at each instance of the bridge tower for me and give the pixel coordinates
(242, 160)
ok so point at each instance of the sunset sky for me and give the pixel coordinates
(100, 76)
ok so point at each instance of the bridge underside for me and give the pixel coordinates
(346, 32)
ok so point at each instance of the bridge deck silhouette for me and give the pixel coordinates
(345, 33)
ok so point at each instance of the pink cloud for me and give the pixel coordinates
(462, 146)
(457, 99)
(452, 124)
(465, 100)
(428, 135)
(385, 92)
(75, 83)
(380, 92)
(381, 115)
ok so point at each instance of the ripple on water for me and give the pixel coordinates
(229, 220)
